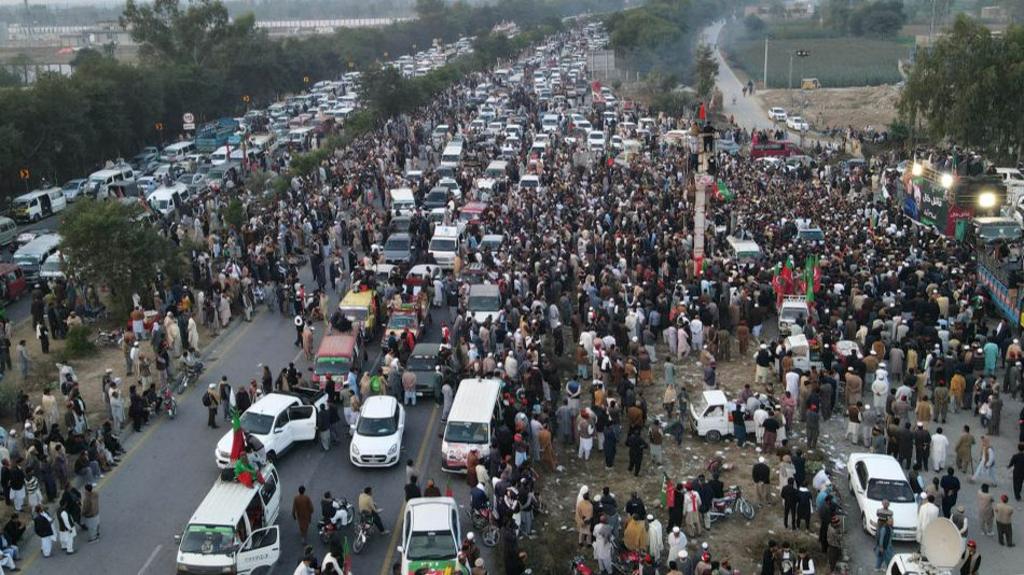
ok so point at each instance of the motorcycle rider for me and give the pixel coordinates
(478, 497)
(334, 511)
(367, 508)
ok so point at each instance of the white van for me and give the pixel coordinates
(8, 231)
(233, 530)
(39, 204)
(743, 250)
(220, 155)
(451, 156)
(549, 123)
(476, 407)
(262, 144)
(32, 255)
(484, 302)
(177, 152)
(444, 246)
(98, 181)
(168, 199)
(402, 201)
(497, 169)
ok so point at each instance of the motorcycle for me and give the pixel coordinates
(733, 502)
(327, 527)
(483, 522)
(578, 567)
(169, 404)
(363, 531)
(190, 374)
(626, 561)
(109, 338)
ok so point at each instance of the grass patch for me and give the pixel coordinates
(837, 62)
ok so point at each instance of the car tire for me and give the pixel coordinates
(272, 457)
(713, 436)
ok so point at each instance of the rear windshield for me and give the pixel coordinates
(333, 366)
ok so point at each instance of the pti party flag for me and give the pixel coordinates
(237, 436)
(724, 192)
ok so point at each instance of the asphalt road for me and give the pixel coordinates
(170, 468)
(21, 309)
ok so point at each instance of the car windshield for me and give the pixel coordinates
(466, 432)
(376, 427)
(442, 245)
(356, 313)
(431, 546)
(896, 491)
(397, 244)
(256, 423)
(812, 235)
(402, 321)
(483, 303)
(332, 366)
(208, 540)
(791, 314)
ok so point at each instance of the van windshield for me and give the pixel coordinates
(442, 245)
(26, 260)
(332, 366)
(256, 423)
(355, 313)
(466, 432)
(208, 540)
(484, 303)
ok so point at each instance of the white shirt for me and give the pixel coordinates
(925, 515)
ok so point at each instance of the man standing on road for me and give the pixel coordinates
(1017, 464)
(302, 511)
(1004, 520)
(323, 427)
(950, 486)
(210, 401)
(762, 477)
(42, 524)
(225, 397)
(91, 512)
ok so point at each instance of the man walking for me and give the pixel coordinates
(210, 401)
(762, 477)
(42, 524)
(302, 511)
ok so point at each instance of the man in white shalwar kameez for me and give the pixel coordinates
(655, 538)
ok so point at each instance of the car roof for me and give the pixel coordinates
(431, 513)
(271, 404)
(426, 349)
(378, 406)
(226, 502)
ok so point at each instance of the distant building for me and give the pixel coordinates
(994, 14)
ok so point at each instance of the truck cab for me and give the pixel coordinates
(792, 309)
(278, 420)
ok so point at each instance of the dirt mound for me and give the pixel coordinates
(873, 106)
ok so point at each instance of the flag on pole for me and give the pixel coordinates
(237, 437)
(347, 561)
(809, 266)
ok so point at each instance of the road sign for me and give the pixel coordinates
(24, 174)
(188, 127)
(188, 118)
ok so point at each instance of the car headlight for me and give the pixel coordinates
(355, 449)
(393, 450)
(873, 523)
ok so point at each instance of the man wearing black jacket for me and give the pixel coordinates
(789, 501)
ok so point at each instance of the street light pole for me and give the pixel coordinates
(765, 81)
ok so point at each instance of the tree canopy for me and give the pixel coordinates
(969, 89)
(104, 243)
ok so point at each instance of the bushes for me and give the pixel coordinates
(78, 343)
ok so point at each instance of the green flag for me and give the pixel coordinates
(724, 192)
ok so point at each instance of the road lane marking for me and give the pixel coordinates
(149, 561)
(385, 567)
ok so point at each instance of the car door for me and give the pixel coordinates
(281, 437)
(303, 422)
(400, 416)
(860, 481)
(259, 552)
(270, 492)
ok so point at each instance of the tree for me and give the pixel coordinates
(105, 245)
(430, 9)
(754, 25)
(969, 89)
(881, 19)
(706, 71)
(190, 36)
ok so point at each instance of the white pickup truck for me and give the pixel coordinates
(277, 420)
(792, 308)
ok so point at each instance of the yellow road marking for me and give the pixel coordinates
(385, 567)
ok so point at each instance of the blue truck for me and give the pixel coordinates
(213, 135)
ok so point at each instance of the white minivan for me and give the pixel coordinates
(221, 155)
(402, 201)
(39, 204)
(177, 152)
(233, 530)
(444, 246)
(476, 407)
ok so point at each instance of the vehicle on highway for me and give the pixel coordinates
(484, 303)
(32, 255)
(99, 180)
(797, 123)
(530, 182)
(233, 530)
(177, 152)
(278, 420)
(875, 477)
(404, 317)
(477, 403)
(377, 433)
(362, 309)
(777, 114)
(8, 232)
(337, 355)
(792, 309)
(595, 141)
(445, 245)
(39, 204)
(399, 249)
(168, 200)
(436, 198)
(74, 188)
(774, 150)
(402, 201)
(427, 364)
(431, 536)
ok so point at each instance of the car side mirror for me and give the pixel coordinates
(352, 428)
(177, 538)
(399, 549)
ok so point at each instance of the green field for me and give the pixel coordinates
(837, 62)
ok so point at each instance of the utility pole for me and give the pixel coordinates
(765, 81)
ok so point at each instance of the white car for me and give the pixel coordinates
(595, 140)
(874, 477)
(431, 535)
(777, 114)
(797, 123)
(278, 421)
(377, 434)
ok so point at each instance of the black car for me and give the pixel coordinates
(435, 198)
(424, 361)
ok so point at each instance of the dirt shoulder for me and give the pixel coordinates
(873, 106)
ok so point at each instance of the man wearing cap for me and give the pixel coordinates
(1004, 520)
(762, 476)
(972, 562)
(676, 542)
(211, 401)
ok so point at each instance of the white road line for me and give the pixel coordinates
(149, 561)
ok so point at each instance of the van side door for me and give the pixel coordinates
(303, 422)
(270, 492)
(260, 551)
